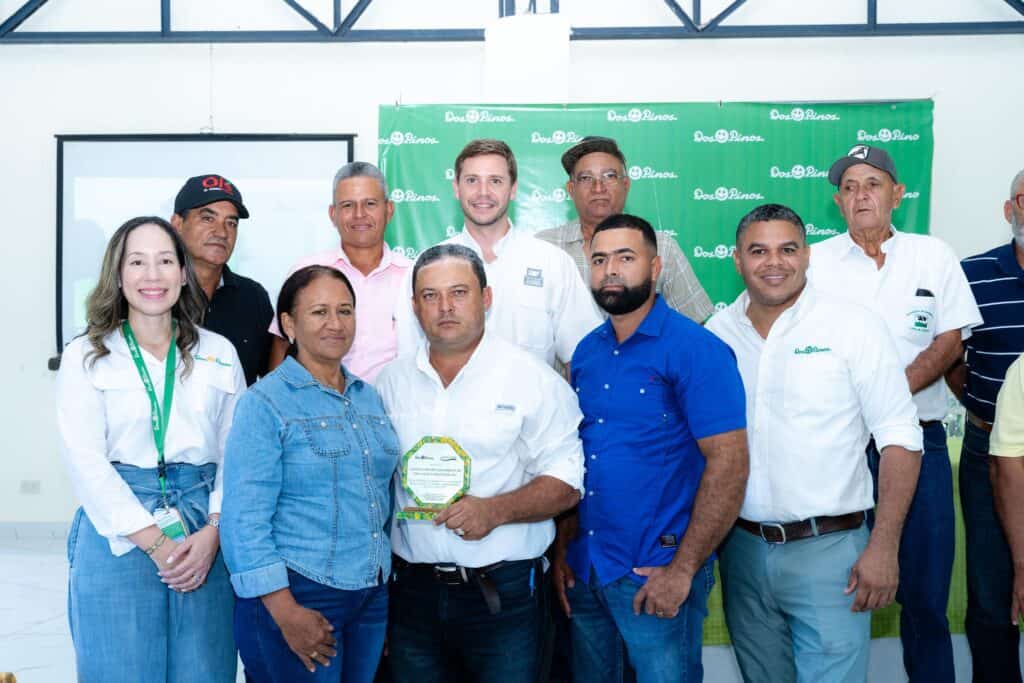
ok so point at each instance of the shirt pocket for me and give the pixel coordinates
(533, 327)
(918, 322)
(814, 383)
(327, 437)
(209, 385)
(383, 445)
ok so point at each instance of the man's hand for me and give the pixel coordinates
(874, 577)
(666, 589)
(563, 577)
(469, 517)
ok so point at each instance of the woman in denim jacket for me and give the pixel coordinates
(308, 500)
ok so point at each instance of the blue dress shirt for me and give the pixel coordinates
(307, 484)
(645, 403)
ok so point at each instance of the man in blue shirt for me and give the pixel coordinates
(997, 281)
(665, 448)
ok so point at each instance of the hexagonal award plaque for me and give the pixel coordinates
(436, 473)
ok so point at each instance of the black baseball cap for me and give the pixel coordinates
(207, 189)
(589, 145)
(862, 154)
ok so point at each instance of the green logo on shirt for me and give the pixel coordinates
(811, 349)
(212, 359)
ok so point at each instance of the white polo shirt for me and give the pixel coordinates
(827, 377)
(517, 420)
(540, 302)
(920, 292)
(103, 417)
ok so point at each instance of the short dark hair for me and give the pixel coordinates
(297, 282)
(456, 251)
(770, 212)
(626, 220)
(483, 146)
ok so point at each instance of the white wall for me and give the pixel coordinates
(46, 90)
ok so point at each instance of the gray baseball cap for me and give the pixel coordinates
(862, 154)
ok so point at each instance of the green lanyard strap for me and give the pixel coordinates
(159, 418)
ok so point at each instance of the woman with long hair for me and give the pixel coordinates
(144, 403)
(308, 500)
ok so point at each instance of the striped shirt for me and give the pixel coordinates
(678, 284)
(997, 281)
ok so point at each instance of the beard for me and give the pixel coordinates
(626, 301)
(1018, 231)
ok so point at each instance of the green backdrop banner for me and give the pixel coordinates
(696, 168)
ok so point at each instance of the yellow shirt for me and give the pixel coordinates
(1008, 431)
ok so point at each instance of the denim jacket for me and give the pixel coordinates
(307, 474)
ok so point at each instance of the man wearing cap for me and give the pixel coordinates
(540, 302)
(800, 571)
(360, 211)
(206, 214)
(598, 184)
(997, 280)
(917, 286)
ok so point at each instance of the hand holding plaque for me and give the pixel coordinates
(435, 473)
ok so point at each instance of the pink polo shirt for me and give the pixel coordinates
(376, 343)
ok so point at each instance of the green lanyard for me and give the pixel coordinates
(158, 418)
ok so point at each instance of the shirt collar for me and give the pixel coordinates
(572, 232)
(388, 258)
(227, 278)
(424, 366)
(297, 376)
(466, 238)
(1007, 259)
(887, 246)
(651, 325)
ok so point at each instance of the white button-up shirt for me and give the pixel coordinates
(826, 378)
(517, 420)
(898, 291)
(540, 302)
(103, 416)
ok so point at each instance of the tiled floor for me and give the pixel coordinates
(36, 646)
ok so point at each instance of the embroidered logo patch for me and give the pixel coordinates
(534, 277)
(212, 359)
(811, 349)
(505, 408)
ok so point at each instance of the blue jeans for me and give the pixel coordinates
(926, 562)
(787, 614)
(359, 618)
(440, 633)
(661, 650)
(993, 639)
(128, 626)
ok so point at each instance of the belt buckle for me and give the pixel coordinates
(780, 527)
(451, 574)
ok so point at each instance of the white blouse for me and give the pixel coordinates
(103, 416)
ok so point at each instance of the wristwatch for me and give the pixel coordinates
(214, 522)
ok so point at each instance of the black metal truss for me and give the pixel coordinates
(343, 28)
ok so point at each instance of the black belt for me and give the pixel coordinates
(928, 423)
(794, 531)
(457, 575)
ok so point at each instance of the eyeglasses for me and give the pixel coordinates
(588, 180)
(1019, 201)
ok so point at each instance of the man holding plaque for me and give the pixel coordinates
(665, 444)
(491, 454)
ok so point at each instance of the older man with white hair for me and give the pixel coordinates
(997, 281)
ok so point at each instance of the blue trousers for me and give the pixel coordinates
(788, 617)
(129, 627)
(660, 650)
(359, 618)
(993, 639)
(440, 633)
(926, 563)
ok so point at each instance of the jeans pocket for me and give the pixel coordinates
(73, 536)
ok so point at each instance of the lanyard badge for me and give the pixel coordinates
(167, 518)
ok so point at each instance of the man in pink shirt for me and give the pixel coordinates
(361, 211)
